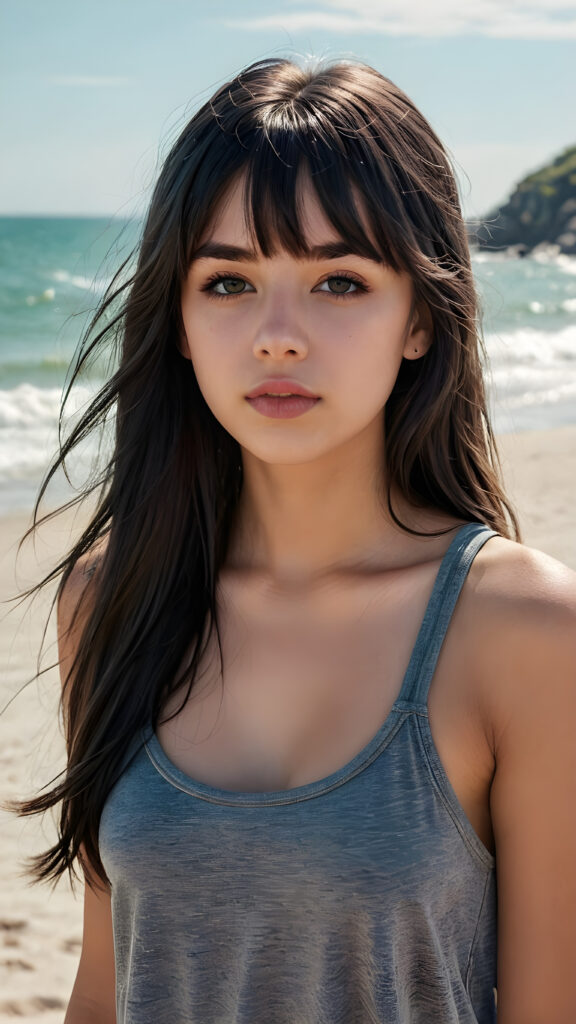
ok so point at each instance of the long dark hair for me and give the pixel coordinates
(167, 496)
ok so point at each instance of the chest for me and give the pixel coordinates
(307, 682)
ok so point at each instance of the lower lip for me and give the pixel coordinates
(282, 408)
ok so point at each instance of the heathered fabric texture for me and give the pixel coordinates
(363, 898)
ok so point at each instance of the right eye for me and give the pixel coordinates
(224, 284)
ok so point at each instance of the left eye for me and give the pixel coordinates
(340, 285)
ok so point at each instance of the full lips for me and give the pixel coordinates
(282, 408)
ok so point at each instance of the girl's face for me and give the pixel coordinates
(338, 324)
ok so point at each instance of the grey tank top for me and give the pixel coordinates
(365, 897)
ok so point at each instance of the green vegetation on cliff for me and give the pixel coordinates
(541, 211)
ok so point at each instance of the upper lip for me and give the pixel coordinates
(279, 386)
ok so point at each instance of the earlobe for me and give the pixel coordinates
(420, 337)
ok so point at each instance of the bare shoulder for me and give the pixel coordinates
(75, 601)
(516, 570)
(520, 614)
(524, 590)
(79, 581)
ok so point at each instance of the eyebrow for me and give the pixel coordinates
(223, 251)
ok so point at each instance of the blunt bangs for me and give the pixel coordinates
(275, 152)
(275, 175)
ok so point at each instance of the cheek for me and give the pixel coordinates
(209, 352)
(372, 372)
(202, 344)
(369, 347)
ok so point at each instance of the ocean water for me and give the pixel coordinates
(54, 270)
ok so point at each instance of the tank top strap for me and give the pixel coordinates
(451, 576)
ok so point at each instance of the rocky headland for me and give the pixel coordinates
(540, 212)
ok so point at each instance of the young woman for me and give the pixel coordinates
(361, 807)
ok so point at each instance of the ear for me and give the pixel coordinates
(182, 345)
(182, 340)
(420, 333)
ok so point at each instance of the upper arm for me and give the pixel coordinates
(73, 607)
(93, 996)
(533, 796)
(93, 999)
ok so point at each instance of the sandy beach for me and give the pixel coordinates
(40, 930)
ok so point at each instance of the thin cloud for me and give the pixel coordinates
(516, 19)
(89, 81)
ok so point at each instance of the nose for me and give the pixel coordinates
(280, 330)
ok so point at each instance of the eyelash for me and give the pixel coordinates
(209, 286)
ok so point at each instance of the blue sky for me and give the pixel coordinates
(92, 94)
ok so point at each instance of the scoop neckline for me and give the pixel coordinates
(187, 784)
(401, 707)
